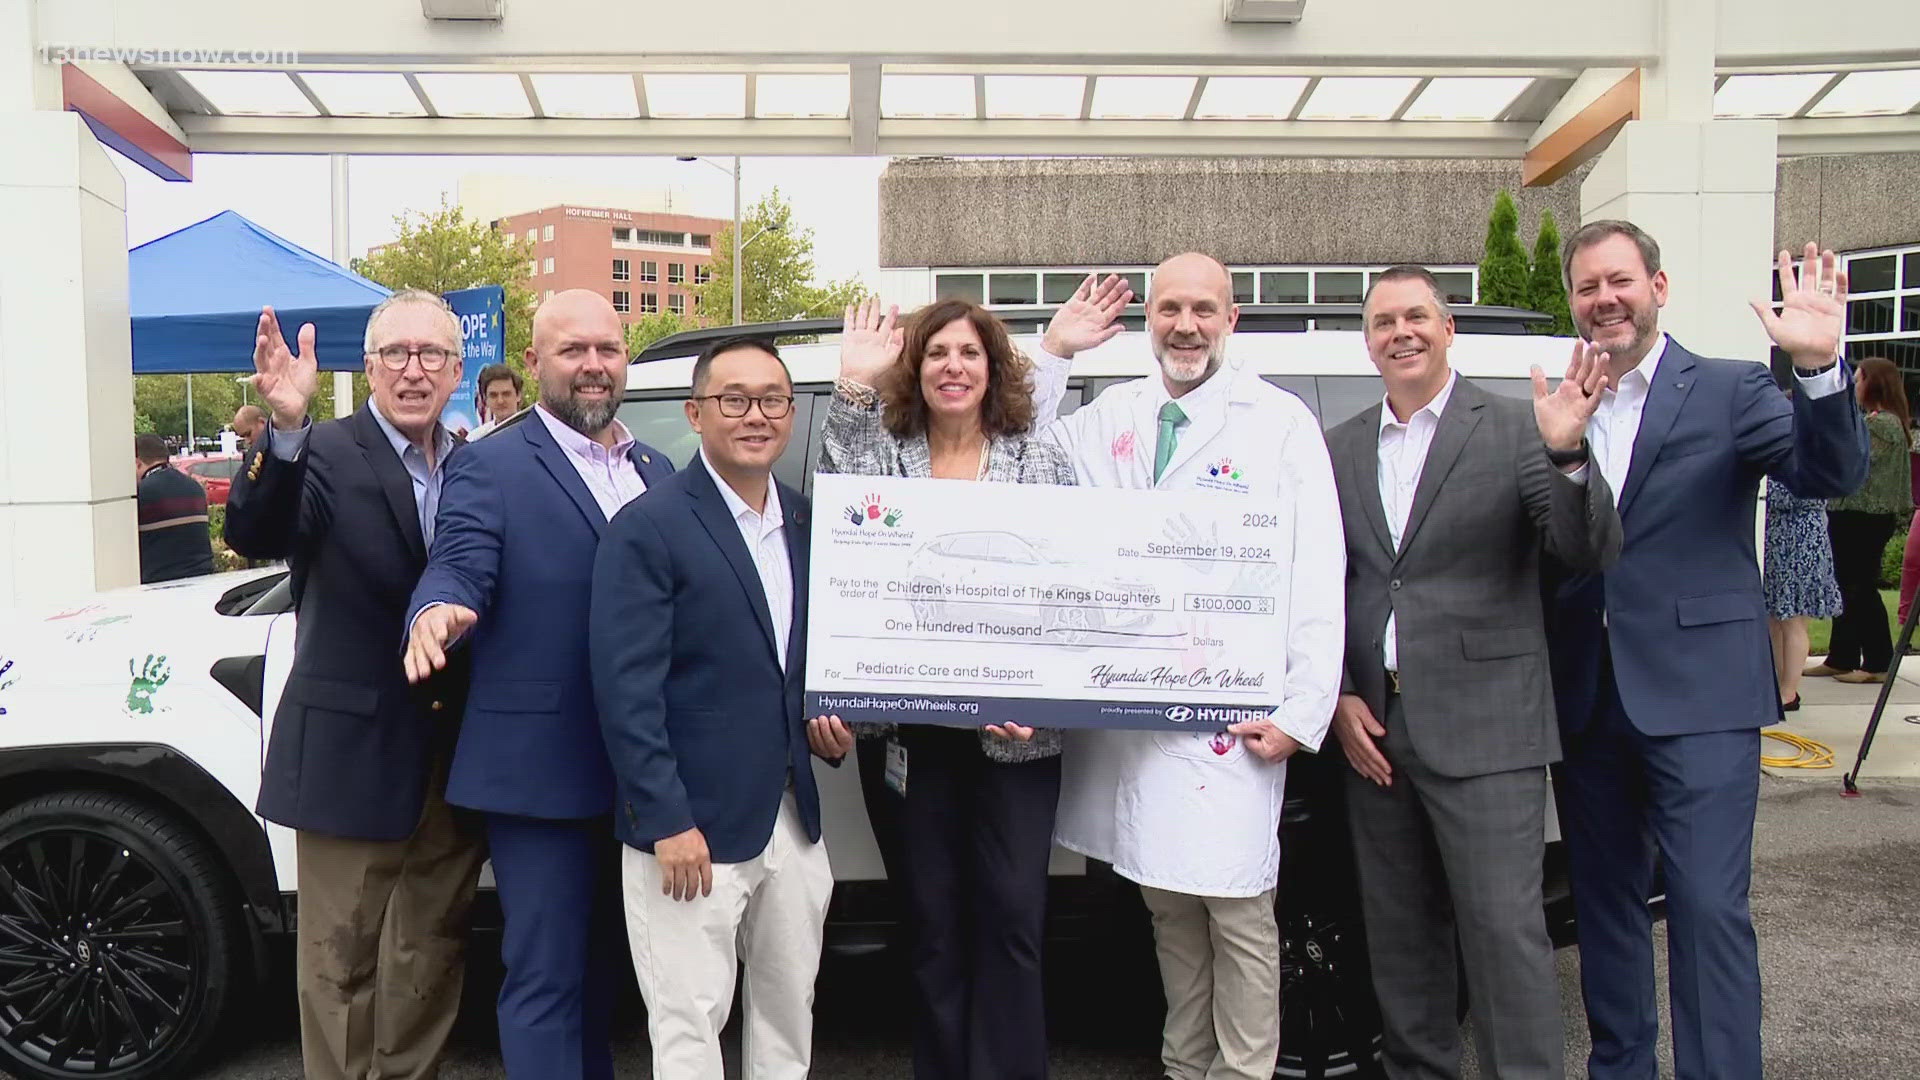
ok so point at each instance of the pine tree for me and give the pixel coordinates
(1503, 268)
(1547, 290)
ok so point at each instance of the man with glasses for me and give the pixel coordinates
(357, 762)
(699, 654)
(509, 579)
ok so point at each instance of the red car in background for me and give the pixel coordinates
(214, 472)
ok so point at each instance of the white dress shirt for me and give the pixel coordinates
(764, 532)
(608, 473)
(425, 478)
(1403, 457)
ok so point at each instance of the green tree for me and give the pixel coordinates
(1503, 268)
(652, 328)
(778, 283)
(160, 404)
(1546, 289)
(440, 250)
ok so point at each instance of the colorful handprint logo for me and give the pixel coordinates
(871, 509)
(1224, 468)
(147, 681)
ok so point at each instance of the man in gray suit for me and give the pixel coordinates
(1448, 494)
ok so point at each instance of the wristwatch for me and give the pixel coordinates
(1563, 458)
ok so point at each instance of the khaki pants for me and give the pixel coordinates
(1220, 969)
(382, 943)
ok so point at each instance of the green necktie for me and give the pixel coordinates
(1170, 417)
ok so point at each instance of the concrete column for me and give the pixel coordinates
(1705, 191)
(67, 515)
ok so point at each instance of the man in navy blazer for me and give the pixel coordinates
(511, 568)
(1662, 669)
(698, 635)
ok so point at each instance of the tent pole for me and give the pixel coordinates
(189, 412)
(341, 255)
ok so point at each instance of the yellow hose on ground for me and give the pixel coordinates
(1808, 753)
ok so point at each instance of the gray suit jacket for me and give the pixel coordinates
(1465, 583)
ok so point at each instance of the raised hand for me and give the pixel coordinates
(1563, 414)
(870, 342)
(1090, 318)
(434, 629)
(1813, 308)
(284, 380)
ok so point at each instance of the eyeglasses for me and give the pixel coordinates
(772, 406)
(432, 357)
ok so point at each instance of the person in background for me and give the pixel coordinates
(173, 515)
(500, 392)
(250, 423)
(1798, 583)
(1910, 560)
(1859, 526)
(948, 396)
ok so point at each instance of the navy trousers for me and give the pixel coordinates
(1626, 799)
(562, 944)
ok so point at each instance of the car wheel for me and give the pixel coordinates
(119, 939)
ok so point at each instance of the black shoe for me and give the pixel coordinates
(1792, 706)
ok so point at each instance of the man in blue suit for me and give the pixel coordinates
(699, 652)
(1662, 670)
(512, 564)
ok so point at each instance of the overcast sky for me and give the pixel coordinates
(837, 197)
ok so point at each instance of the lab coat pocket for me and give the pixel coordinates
(1200, 745)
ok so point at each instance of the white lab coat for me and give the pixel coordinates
(1199, 813)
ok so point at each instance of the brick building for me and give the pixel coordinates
(643, 262)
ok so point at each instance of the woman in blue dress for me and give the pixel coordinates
(1799, 583)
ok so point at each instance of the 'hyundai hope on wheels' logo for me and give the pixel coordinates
(871, 510)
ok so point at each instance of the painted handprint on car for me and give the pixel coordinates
(6, 680)
(147, 681)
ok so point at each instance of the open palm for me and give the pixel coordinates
(869, 342)
(1813, 307)
(1090, 318)
(285, 380)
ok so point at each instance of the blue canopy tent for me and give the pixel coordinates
(195, 296)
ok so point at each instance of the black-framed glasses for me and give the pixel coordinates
(432, 357)
(772, 406)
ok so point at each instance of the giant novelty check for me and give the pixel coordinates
(962, 603)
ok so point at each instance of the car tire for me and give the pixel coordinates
(96, 879)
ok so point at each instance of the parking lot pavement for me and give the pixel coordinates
(1836, 902)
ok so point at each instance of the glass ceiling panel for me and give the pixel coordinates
(697, 96)
(926, 96)
(1358, 98)
(800, 96)
(363, 93)
(251, 93)
(1766, 95)
(1142, 97)
(587, 95)
(1465, 98)
(1250, 97)
(481, 93)
(1043, 97)
(1867, 93)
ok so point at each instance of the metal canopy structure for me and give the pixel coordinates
(1475, 78)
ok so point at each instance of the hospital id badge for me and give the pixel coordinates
(897, 767)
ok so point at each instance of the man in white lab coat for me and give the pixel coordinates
(1194, 817)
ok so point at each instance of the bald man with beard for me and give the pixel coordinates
(509, 580)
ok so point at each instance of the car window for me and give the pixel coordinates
(222, 470)
(1301, 386)
(1343, 397)
(661, 422)
(1011, 549)
(969, 546)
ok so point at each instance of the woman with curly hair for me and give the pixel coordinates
(948, 396)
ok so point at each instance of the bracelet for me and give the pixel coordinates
(1563, 458)
(856, 393)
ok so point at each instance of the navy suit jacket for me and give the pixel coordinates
(353, 745)
(703, 725)
(1681, 611)
(515, 542)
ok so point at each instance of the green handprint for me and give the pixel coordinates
(892, 518)
(146, 682)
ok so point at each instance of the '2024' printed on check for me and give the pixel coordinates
(963, 603)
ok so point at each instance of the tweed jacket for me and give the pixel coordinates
(855, 442)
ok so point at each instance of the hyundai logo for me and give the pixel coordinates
(84, 951)
(1179, 714)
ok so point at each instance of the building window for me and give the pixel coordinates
(649, 271)
(1883, 307)
(1283, 287)
(959, 287)
(677, 303)
(546, 265)
(533, 267)
(622, 235)
(533, 235)
(546, 233)
(622, 301)
(622, 270)
(1243, 290)
(1337, 287)
(655, 236)
(1059, 288)
(1012, 289)
(676, 273)
(702, 240)
(702, 274)
(1456, 284)
(549, 295)
(696, 301)
(649, 303)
